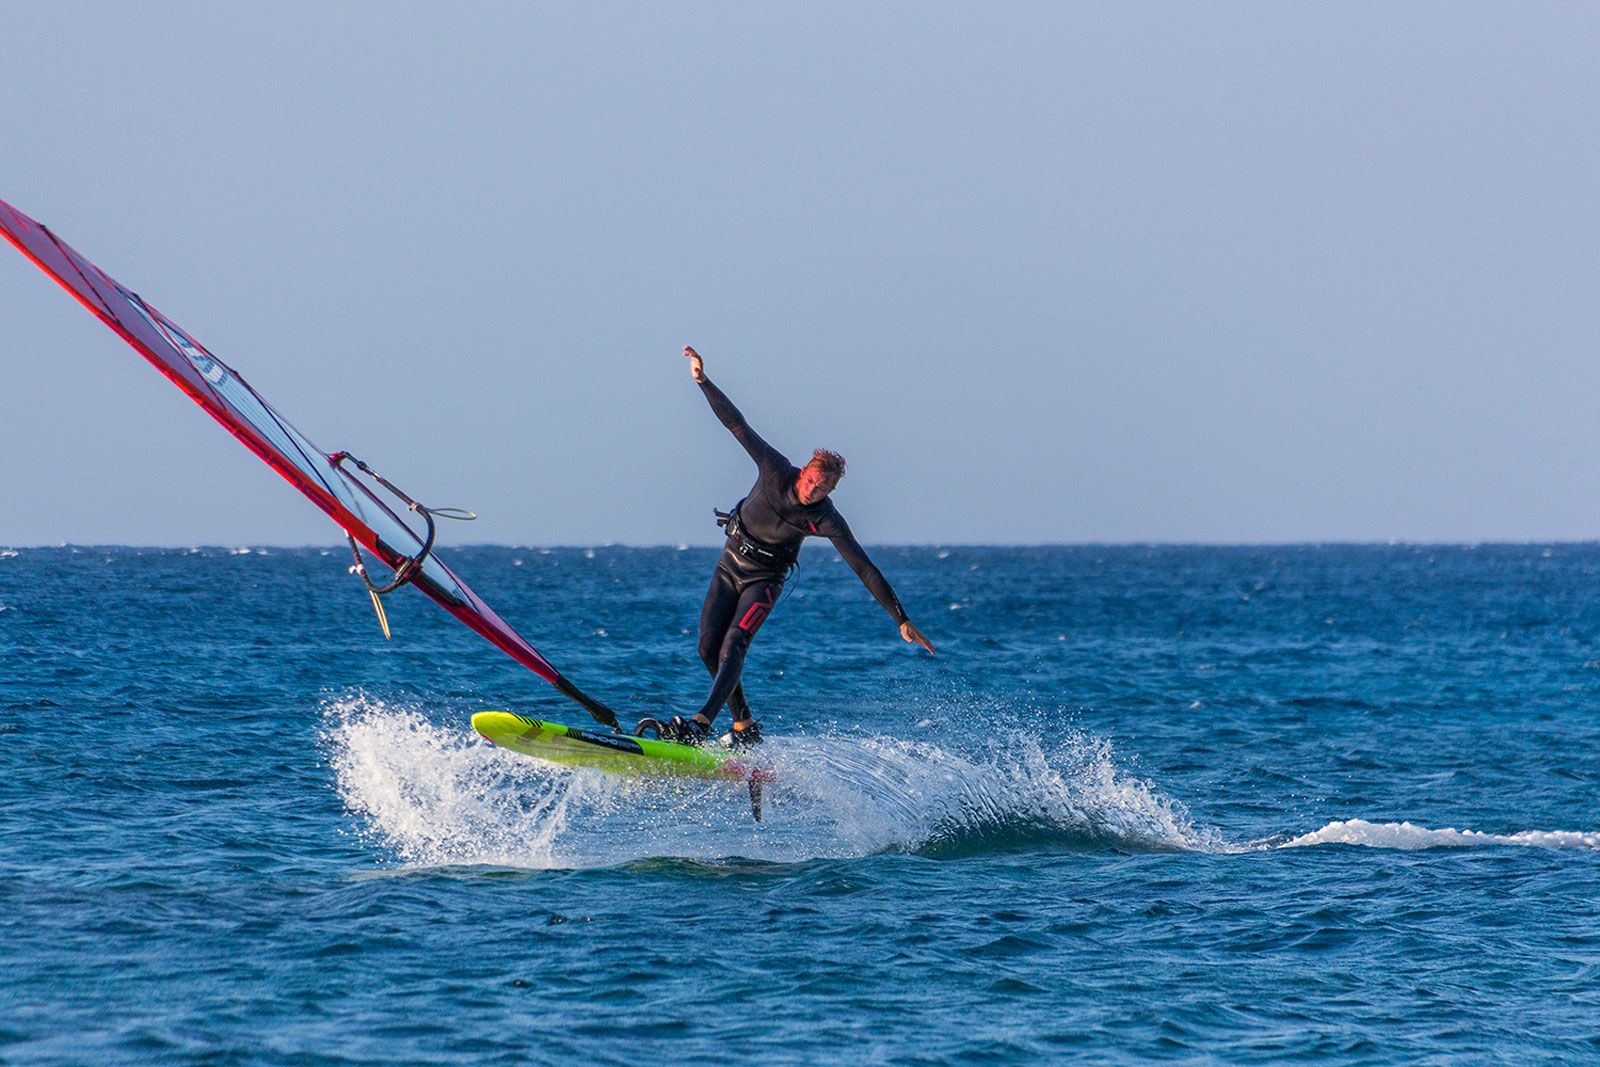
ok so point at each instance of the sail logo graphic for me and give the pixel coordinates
(209, 369)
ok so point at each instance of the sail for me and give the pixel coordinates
(330, 484)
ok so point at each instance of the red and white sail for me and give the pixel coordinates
(229, 399)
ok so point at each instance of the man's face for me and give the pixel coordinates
(813, 486)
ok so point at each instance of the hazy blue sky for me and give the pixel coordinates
(1044, 273)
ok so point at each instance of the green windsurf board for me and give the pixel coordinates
(602, 750)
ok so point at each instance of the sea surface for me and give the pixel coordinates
(1331, 804)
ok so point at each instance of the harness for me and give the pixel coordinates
(752, 548)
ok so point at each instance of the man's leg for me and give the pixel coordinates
(754, 604)
(716, 615)
(739, 705)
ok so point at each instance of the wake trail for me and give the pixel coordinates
(438, 795)
(1408, 836)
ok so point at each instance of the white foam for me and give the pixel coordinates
(436, 794)
(886, 793)
(1406, 835)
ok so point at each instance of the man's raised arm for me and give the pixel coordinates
(763, 453)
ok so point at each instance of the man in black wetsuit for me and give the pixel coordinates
(785, 506)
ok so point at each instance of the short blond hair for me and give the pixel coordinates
(830, 464)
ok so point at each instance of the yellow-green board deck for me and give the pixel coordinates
(616, 753)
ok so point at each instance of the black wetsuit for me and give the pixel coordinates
(763, 543)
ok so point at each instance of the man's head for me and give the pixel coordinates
(818, 477)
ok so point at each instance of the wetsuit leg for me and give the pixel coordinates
(739, 705)
(716, 615)
(754, 604)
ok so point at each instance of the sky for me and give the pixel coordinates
(1044, 273)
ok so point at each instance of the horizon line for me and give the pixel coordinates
(682, 546)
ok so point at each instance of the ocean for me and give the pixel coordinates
(1318, 803)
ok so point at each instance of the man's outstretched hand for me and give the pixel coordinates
(914, 635)
(697, 369)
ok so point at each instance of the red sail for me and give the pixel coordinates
(231, 401)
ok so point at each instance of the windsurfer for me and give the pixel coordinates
(786, 505)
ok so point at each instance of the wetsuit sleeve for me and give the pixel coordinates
(851, 552)
(766, 457)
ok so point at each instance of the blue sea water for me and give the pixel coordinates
(1333, 804)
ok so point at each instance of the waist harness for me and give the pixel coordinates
(753, 549)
